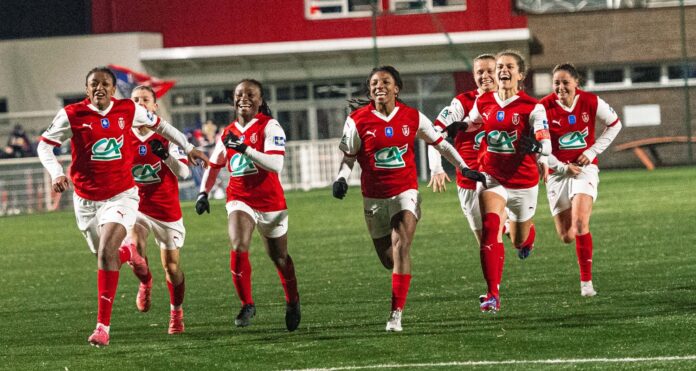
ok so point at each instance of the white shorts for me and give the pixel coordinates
(379, 211)
(90, 215)
(469, 202)
(271, 224)
(168, 235)
(561, 189)
(521, 203)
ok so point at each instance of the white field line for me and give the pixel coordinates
(509, 362)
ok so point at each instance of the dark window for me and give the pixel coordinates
(608, 76)
(70, 99)
(645, 74)
(292, 92)
(218, 96)
(295, 124)
(675, 72)
(330, 122)
(330, 90)
(220, 118)
(186, 98)
(3, 105)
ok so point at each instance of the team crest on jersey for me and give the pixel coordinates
(500, 116)
(147, 173)
(121, 123)
(389, 131)
(478, 139)
(105, 123)
(405, 130)
(501, 141)
(515, 118)
(107, 149)
(573, 140)
(585, 117)
(241, 165)
(253, 138)
(572, 120)
(391, 157)
(142, 150)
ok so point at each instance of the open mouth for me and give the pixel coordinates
(380, 94)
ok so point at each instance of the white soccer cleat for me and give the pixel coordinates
(394, 322)
(586, 289)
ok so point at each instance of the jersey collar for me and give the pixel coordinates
(503, 103)
(381, 116)
(105, 111)
(572, 107)
(142, 137)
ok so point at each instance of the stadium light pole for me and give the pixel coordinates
(685, 75)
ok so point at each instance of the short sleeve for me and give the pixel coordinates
(538, 118)
(350, 141)
(177, 153)
(143, 117)
(606, 114)
(59, 130)
(218, 156)
(275, 138)
(426, 131)
(452, 113)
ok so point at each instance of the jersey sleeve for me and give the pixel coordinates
(59, 130)
(538, 119)
(350, 141)
(275, 139)
(426, 131)
(219, 154)
(143, 117)
(605, 113)
(452, 113)
(475, 118)
(177, 153)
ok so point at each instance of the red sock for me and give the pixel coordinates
(529, 242)
(124, 253)
(107, 282)
(490, 252)
(400, 285)
(583, 248)
(241, 275)
(289, 281)
(176, 293)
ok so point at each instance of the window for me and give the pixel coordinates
(3, 105)
(185, 98)
(326, 9)
(609, 76)
(676, 72)
(70, 99)
(218, 96)
(426, 5)
(645, 74)
(292, 92)
(294, 124)
(330, 122)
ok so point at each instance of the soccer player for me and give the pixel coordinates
(572, 185)
(105, 198)
(380, 135)
(252, 147)
(514, 125)
(156, 166)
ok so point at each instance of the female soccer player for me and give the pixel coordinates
(381, 135)
(509, 117)
(106, 199)
(252, 148)
(156, 168)
(572, 187)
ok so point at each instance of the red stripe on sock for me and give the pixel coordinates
(107, 283)
(176, 293)
(400, 285)
(241, 275)
(583, 249)
(288, 280)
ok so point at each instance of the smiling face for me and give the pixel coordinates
(383, 88)
(507, 73)
(564, 85)
(484, 74)
(247, 100)
(100, 88)
(144, 98)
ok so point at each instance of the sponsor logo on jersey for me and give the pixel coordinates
(485, 115)
(501, 141)
(371, 132)
(254, 138)
(142, 150)
(515, 118)
(445, 112)
(557, 122)
(279, 141)
(478, 139)
(389, 131)
(572, 120)
(405, 130)
(241, 165)
(147, 173)
(573, 140)
(121, 123)
(344, 140)
(391, 157)
(107, 149)
(586, 117)
(545, 124)
(105, 123)
(500, 116)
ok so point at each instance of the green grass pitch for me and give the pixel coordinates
(644, 228)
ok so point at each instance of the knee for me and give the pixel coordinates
(582, 226)
(491, 225)
(237, 244)
(171, 268)
(567, 237)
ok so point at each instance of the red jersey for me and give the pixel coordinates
(384, 147)
(158, 186)
(467, 143)
(504, 123)
(573, 128)
(250, 183)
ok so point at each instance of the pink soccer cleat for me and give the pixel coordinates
(137, 262)
(176, 322)
(100, 336)
(144, 298)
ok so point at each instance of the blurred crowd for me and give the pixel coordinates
(18, 144)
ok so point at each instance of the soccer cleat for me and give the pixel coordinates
(137, 262)
(490, 304)
(394, 322)
(176, 322)
(586, 289)
(524, 252)
(144, 297)
(100, 336)
(245, 315)
(482, 298)
(293, 315)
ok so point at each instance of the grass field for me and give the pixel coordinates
(644, 272)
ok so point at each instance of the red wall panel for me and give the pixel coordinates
(220, 22)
